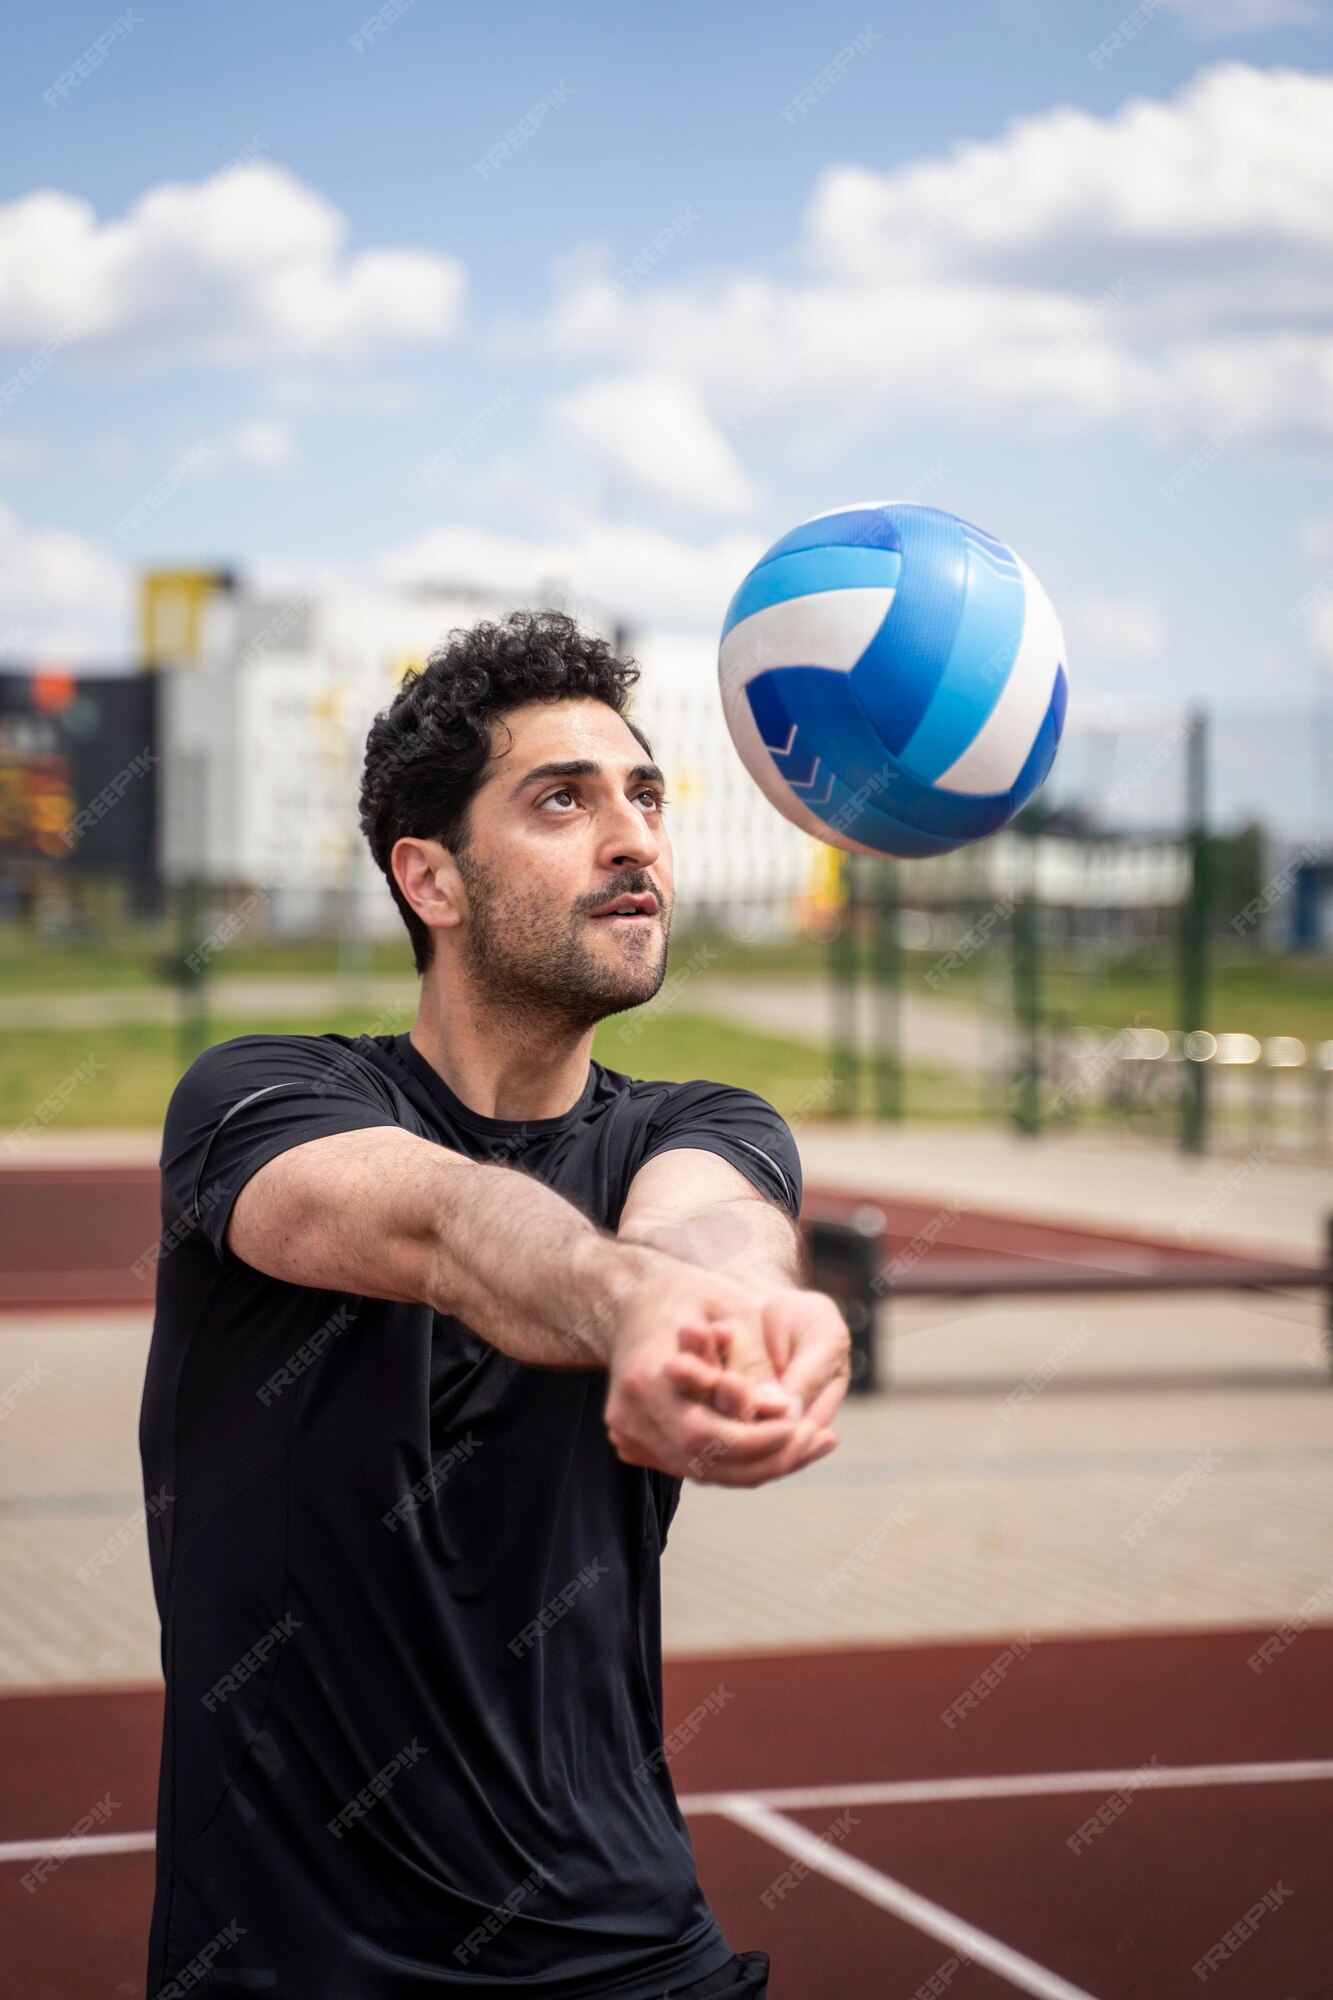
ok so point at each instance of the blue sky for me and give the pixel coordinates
(1062, 268)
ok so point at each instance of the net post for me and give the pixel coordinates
(1194, 935)
(844, 954)
(1026, 933)
(1328, 1294)
(886, 973)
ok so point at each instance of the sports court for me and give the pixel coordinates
(1024, 1691)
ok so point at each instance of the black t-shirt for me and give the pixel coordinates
(409, 1594)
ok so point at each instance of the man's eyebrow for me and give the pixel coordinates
(584, 767)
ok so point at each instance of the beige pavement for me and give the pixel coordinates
(1048, 1466)
(1257, 1200)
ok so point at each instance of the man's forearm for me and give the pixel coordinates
(528, 1272)
(748, 1241)
(386, 1215)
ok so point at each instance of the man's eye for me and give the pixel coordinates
(563, 793)
(656, 800)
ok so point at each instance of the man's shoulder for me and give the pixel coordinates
(658, 1094)
(229, 1072)
(660, 1108)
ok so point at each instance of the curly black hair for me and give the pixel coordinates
(426, 752)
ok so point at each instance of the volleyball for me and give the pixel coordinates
(894, 679)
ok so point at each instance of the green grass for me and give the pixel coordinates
(123, 1075)
(794, 1075)
(1256, 994)
(152, 957)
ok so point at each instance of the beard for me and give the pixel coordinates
(528, 957)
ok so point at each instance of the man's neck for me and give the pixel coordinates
(498, 1061)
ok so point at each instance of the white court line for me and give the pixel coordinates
(908, 1792)
(900, 1901)
(79, 1847)
(1021, 1785)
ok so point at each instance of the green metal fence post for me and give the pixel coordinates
(1027, 985)
(887, 972)
(1195, 918)
(844, 955)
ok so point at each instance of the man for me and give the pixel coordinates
(443, 1320)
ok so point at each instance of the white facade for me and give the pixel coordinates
(264, 734)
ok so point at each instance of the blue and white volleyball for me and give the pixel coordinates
(894, 679)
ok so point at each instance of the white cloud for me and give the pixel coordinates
(1167, 263)
(1320, 628)
(248, 266)
(1112, 628)
(262, 441)
(61, 597)
(21, 454)
(657, 433)
(1314, 537)
(349, 396)
(1152, 173)
(1240, 17)
(616, 566)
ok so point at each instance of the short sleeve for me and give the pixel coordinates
(740, 1127)
(242, 1103)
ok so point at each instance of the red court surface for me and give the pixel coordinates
(87, 1236)
(845, 1826)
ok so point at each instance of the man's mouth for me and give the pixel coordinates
(627, 910)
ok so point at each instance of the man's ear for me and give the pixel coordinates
(428, 877)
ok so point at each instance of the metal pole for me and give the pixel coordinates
(1328, 1304)
(193, 952)
(1194, 936)
(844, 1061)
(886, 972)
(1027, 988)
